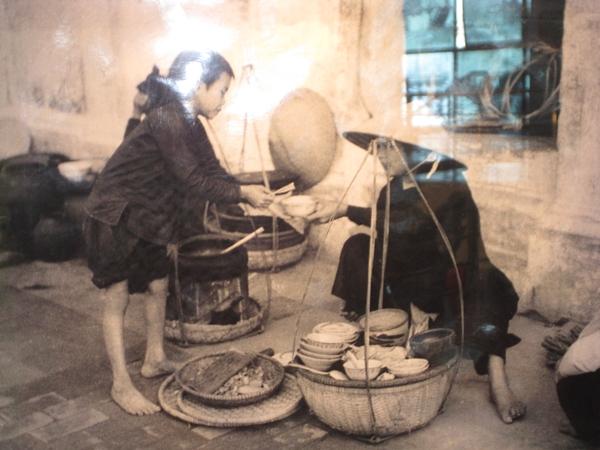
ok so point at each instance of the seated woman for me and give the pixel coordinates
(578, 385)
(419, 269)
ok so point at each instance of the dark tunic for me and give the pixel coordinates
(163, 161)
(419, 269)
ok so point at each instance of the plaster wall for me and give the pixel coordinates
(70, 69)
(564, 256)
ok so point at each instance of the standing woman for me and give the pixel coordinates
(137, 204)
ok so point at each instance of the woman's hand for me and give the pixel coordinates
(326, 210)
(140, 104)
(257, 195)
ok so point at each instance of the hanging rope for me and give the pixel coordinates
(318, 252)
(372, 238)
(359, 61)
(446, 241)
(386, 239)
(262, 254)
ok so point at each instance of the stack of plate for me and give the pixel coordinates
(408, 367)
(387, 326)
(325, 346)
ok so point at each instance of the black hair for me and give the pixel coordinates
(213, 65)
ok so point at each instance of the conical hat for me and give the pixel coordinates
(414, 154)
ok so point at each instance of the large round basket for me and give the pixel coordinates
(268, 259)
(400, 405)
(202, 333)
(273, 377)
(291, 245)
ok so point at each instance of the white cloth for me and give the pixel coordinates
(583, 356)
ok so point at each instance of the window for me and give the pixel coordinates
(490, 65)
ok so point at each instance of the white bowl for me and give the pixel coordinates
(385, 319)
(336, 328)
(299, 205)
(322, 356)
(356, 371)
(409, 367)
(395, 332)
(317, 363)
(326, 338)
(332, 351)
(337, 375)
(381, 353)
(75, 171)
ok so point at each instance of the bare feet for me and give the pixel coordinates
(509, 407)
(152, 369)
(132, 401)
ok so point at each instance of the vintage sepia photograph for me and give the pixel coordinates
(299, 224)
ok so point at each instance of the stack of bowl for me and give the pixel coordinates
(325, 345)
(387, 326)
(347, 332)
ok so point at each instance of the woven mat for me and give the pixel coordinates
(182, 406)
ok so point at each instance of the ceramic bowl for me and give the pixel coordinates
(75, 171)
(317, 363)
(318, 355)
(326, 338)
(356, 371)
(331, 351)
(336, 328)
(432, 343)
(384, 319)
(299, 205)
(381, 353)
(392, 333)
(337, 375)
(408, 367)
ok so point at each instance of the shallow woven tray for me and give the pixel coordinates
(202, 333)
(273, 371)
(267, 259)
(400, 405)
(281, 405)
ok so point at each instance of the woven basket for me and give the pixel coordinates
(201, 333)
(273, 372)
(400, 405)
(281, 405)
(267, 259)
(261, 255)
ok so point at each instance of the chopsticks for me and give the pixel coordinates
(242, 241)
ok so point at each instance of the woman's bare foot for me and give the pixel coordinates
(152, 369)
(132, 401)
(509, 407)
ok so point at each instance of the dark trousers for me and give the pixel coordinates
(579, 397)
